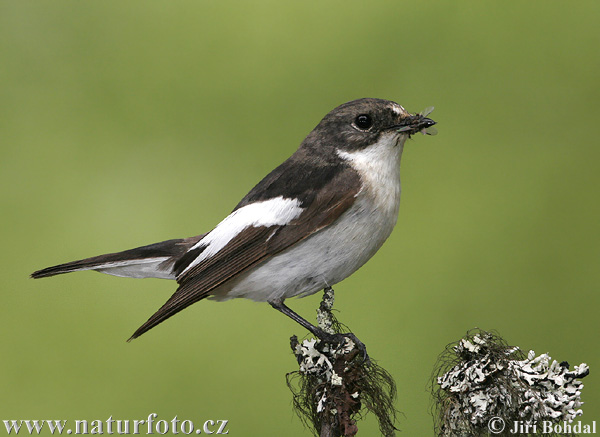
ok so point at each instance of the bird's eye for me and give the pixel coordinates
(363, 121)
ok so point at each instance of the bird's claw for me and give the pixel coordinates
(340, 339)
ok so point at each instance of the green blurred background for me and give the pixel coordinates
(127, 123)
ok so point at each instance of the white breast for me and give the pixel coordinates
(334, 253)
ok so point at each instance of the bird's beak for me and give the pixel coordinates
(412, 124)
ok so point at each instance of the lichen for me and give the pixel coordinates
(336, 383)
(481, 377)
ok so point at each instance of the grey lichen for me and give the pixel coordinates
(336, 382)
(554, 391)
(320, 364)
(481, 378)
(325, 318)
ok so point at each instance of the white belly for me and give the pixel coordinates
(334, 253)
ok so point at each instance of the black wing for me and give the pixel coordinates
(255, 244)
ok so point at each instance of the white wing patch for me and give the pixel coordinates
(273, 212)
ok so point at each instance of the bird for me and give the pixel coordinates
(309, 224)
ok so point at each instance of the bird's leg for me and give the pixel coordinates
(314, 330)
(318, 332)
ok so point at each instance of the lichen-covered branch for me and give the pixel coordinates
(481, 382)
(337, 382)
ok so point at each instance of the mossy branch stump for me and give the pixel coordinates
(337, 381)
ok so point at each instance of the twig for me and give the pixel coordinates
(337, 381)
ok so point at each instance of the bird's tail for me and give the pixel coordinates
(152, 261)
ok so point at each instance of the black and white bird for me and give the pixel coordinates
(309, 224)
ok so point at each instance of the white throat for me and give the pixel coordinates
(379, 169)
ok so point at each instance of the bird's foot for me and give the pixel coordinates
(339, 341)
